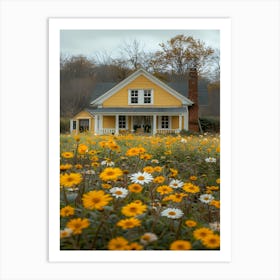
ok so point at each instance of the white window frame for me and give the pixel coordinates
(169, 122)
(126, 122)
(140, 96)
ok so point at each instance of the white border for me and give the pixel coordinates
(55, 25)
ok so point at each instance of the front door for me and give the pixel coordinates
(142, 123)
(84, 125)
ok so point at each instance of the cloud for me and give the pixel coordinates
(90, 42)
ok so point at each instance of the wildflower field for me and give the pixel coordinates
(132, 192)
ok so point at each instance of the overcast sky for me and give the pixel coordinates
(91, 42)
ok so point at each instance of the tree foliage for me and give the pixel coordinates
(180, 53)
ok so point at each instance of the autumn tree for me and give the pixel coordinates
(181, 53)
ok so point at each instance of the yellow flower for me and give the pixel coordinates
(92, 152)
(134, 246)
(190, 223)
(191, 188)
(159, 180)
(211, 241)
(146, 156)
(64, 167)
(215, 203)
(96, 200)
(95, 164)
(118, 243)
(67, 155)
(180, 245)
(113, 146)
(106, 186)
(132, 152)
(110, 174)
(212, 188)
(174, 172)
(129, 223)
(218, 181)
(69, 180)
(148, 169)
(133, 209)
(157, 168)
(77, 225)
(103, 144)
(136, 188)
(177, 197)
(164, 189)
(67, 211)
(193, 178)
(82, 149)
(201, 233)
(77, 138)
(94, 158)
(78, 166)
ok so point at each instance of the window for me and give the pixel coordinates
(164, 122)
(140, 96)
(74, 124)
(134, 97)
(83, 125)
(147, 96)
(122, 122)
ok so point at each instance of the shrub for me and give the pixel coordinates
(64, 125)
(210, 124)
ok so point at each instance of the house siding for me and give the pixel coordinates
(175, 122)
(162, 98)
(108, 121)
(85, 115)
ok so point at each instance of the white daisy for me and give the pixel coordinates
(210, 159)
(175, 184)
(172, 213)
(183, 140)
(147, 238)
(206, 198)
(154, 161)
(65, 232)
(119, 192)
(141, 178)
(107, 162)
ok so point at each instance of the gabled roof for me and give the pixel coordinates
(133, 76)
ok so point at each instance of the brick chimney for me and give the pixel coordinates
(193, 96)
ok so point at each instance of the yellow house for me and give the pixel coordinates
(139, 103)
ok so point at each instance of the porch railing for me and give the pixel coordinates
(107, 131)
(167, 131)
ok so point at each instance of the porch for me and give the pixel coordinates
(127, 120)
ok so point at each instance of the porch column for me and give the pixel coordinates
(154, 124)
(131, 123)
(71, 125)
(117, 124)
(77, 126)
(186, 119)
(96, 124)
(180, 122)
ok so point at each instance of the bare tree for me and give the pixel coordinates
(134, 53)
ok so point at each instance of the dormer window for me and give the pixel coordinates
(140, 97)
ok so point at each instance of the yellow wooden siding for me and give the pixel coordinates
(108, 121)
(82, 114)
(85, 115)
(162, 98)
(175, 122)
